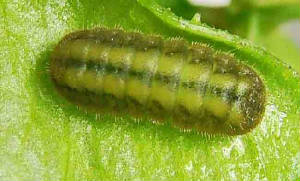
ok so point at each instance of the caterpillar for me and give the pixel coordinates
(192, 86)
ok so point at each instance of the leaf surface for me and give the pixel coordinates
(43, 137)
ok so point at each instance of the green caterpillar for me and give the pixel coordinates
(191, 86)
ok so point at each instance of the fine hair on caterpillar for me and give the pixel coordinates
(191, 85)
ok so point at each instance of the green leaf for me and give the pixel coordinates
(43, 137)
(272, 2)
(282, 47)
(257, 21)
(238, 17)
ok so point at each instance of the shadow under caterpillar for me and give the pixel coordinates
(191, 85)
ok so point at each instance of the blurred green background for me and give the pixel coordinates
(273, 24)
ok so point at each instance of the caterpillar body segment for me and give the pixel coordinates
(191, 85)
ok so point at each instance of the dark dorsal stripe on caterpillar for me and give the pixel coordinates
(192, 86)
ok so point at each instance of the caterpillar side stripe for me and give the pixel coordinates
(190, 85)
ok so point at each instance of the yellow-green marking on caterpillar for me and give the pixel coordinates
(193, 85)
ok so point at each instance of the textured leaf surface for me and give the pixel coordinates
(43, 137)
